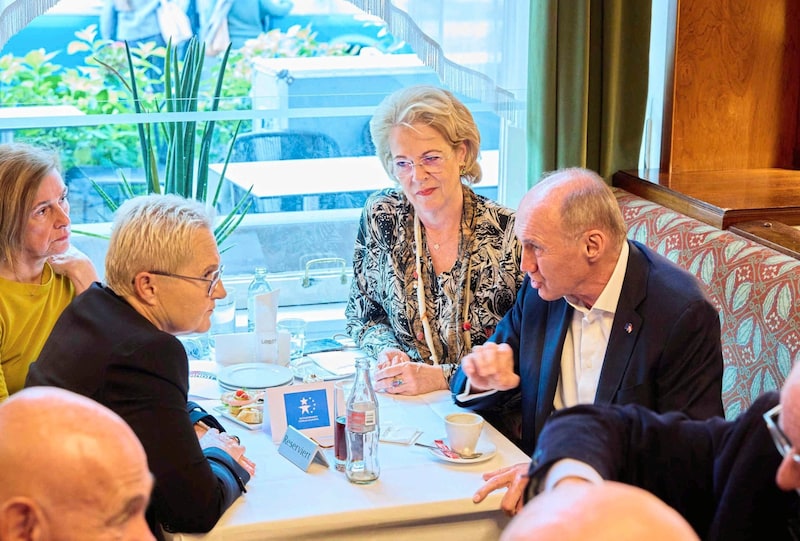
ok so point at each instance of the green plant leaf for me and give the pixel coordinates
(188, 154)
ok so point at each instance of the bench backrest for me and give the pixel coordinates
(756, 290)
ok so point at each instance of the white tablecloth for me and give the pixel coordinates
(417, 495)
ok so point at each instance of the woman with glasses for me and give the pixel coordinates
(436, 266)
(116, 344)
(40, 273)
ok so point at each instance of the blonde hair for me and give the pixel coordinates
(433, 107)
(22, 169)
(152, 232)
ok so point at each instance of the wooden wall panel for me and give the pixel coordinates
(736, 86)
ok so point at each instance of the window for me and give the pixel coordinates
(305, 209)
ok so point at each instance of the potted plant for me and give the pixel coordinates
(186, 151)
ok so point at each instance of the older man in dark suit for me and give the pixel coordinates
(599, 319)
(732, 481)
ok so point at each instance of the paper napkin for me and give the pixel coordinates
(339, 363)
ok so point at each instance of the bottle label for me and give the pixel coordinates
(361, 421)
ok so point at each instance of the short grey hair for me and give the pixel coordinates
(588, 204)
(152, 232)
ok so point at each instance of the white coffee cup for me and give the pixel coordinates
(463, 431)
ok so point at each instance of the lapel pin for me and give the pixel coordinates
(628, 328)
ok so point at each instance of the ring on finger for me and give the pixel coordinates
(397, 382)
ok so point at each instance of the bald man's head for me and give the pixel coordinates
(606, 512)
(70, 463)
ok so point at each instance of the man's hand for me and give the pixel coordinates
(490, 366)
(515, 478)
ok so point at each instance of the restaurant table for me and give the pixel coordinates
(417, 496)
(311, 178)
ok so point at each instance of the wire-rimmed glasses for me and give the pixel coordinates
(212, 280)
(779, 437)
(432, 162)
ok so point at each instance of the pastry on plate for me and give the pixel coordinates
(252, 415)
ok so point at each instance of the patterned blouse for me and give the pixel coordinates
(383, 309)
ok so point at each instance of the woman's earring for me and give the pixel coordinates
(463, 170)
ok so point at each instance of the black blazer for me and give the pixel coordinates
(102, 348)
(664, 350)
(719, 475)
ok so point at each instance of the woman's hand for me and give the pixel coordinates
(76, 266)
(409, 378)
(228, 443)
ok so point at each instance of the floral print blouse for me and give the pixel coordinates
(383, 309)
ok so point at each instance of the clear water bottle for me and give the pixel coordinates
(257, 286)
(362, 429)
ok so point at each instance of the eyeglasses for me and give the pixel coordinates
(432, 163)
(779, 437)
(216, 276)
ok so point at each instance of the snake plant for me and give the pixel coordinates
(188, 148)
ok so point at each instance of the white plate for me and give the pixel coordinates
(227, 414)
(486, 447)
(254, 376)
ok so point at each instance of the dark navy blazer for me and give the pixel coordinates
(664, 350)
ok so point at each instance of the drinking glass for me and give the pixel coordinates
(296, 327)
(341, 391)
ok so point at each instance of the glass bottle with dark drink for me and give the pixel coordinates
(362, 428)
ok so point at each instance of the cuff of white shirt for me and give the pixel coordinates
(465, 397)
(568, 467)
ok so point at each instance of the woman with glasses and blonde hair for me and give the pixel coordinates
(40, 273)
(436, 266)
(116, 344)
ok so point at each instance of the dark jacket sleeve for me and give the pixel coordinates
(695, 466)
(231, 475)
(506, 332)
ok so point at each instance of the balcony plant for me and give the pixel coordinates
(178, 148)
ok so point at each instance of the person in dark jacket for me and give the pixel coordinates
(599, 319)
(731, 480)
(116, 344)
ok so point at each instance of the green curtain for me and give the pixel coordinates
(587, 84)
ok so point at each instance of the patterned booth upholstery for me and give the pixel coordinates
(755, 289)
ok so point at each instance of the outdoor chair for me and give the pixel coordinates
(283, 145)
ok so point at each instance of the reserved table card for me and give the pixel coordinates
(301, 450)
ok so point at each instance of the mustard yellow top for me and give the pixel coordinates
(28, 313)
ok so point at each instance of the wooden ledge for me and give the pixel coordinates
(721, 198)
(775, 235)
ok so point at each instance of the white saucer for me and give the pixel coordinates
(254, 376)
(487, 448)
